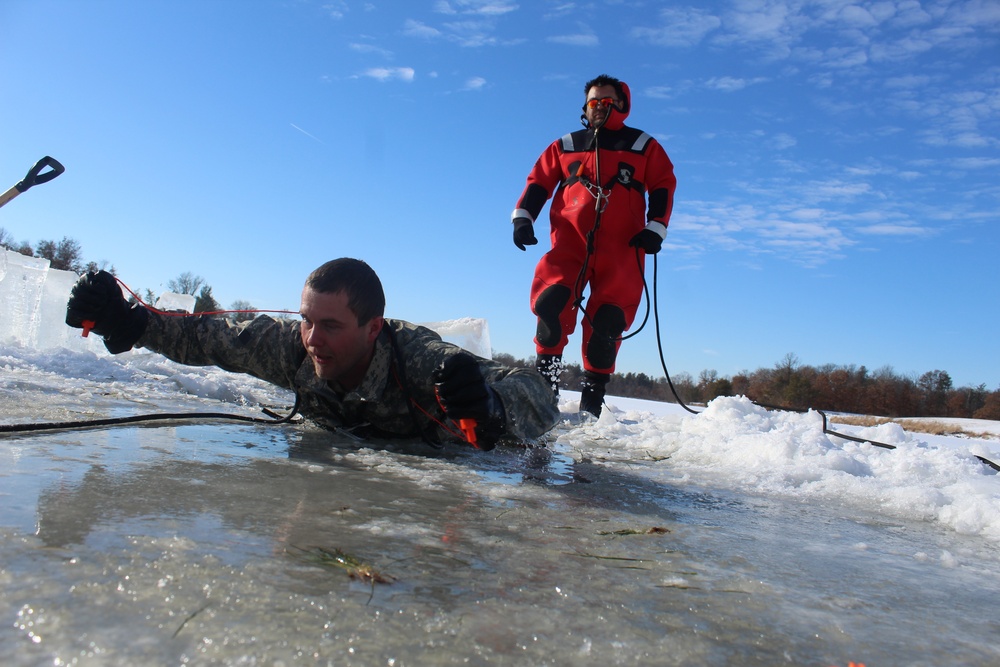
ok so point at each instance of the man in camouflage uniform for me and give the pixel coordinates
(349, 366)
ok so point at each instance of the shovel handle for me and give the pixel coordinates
(35, 177)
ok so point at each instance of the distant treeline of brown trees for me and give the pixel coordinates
(854, 389)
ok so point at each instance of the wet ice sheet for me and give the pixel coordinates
(733, 538)
(171, 544)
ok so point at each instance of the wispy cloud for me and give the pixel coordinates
(472, 32)
(480, 7)
(887, 229)
(680, 27)
(414, 28)
(837, 35)
(729, 84)
(908, 82)
(812, 221)
(974, 162)
(475, 83)
(835, 188)
(390, 73)
(370, 48)
(564, 9)
(336, 8)
(660, 92)
(810, 244)
(474, 23)
(466, 32)
(963, 117)
(783, 140)
(583, 39)
(858, 17)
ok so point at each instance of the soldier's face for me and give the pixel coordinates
(340, 347)
(597, 115)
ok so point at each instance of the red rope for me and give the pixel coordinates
(89, 324)
(206, 312)
(461, 435)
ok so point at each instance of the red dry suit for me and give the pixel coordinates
(629, 164)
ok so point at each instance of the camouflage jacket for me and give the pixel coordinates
(396, 396)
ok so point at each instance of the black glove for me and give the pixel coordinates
(97, 298)
(648, 240)
(464, 394)
(524, 233)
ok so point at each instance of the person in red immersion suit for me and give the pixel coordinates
(612, 189)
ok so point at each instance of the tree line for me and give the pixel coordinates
(790, 384)
(836, 388)
(65, 255)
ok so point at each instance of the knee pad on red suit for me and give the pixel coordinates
(549, 307)
(602, 348)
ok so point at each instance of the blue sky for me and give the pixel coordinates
(837, 162)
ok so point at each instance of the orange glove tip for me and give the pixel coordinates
(468, 427)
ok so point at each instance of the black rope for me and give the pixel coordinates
(659, 342)
(581, 277)
(826, 429)
(645, 290)
(166, 416)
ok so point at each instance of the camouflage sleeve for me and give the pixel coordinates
(529, 403)
(266, 348)
(530, 406)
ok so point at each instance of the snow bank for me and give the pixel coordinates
(742, 445)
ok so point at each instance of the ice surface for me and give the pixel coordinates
(33, 310)
(471, 333)
(21, 281)
(170, 301)
(197, 543)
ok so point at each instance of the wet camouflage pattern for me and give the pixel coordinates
(380, 406)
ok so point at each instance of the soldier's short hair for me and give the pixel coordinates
(605, 80)
(365, 297)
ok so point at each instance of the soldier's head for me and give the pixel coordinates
(606, 102)
(352, 276)
(342, 314)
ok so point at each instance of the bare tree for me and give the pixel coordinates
(186, 283)
(243, 311)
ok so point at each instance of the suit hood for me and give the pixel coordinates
(616, 118)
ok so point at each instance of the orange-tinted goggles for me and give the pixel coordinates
(604, 102)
